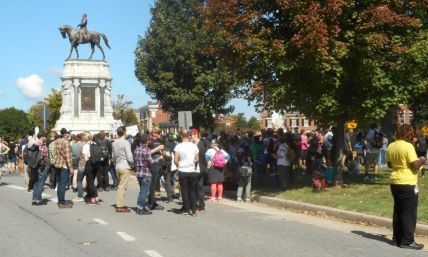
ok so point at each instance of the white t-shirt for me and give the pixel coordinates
(187, 152)
(86, 150)
(281, 154)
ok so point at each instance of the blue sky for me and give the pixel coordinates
(32, 50)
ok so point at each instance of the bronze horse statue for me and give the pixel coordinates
(91, 37)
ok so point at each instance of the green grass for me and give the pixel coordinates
(360, 196)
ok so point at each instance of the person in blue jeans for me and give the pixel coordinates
(63, 165)
(40, 173)
(142, 161)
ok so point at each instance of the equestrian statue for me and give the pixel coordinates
(83, 36)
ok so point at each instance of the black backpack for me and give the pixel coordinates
(32, 156)
(96, 153)
(377, 141)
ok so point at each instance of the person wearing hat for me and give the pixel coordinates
(63, 165)
(38, 174)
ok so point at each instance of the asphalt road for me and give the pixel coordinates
(226, 229)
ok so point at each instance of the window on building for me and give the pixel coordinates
(293, 123)
(410, 117)
(403, 117)
(297, 122)
(305, 122)
(269, 123)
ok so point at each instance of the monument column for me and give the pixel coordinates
(76, 97)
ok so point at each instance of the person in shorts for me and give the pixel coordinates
(372, 154)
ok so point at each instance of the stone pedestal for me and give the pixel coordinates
(86, 89)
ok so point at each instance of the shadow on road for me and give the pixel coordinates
(378, 237)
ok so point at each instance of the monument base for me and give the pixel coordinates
(86, 89)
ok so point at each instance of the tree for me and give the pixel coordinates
(241, 121)
(176, 66)
(123, 111)
(253, 124)
(334, 60)
(14, 123)
(53, 106)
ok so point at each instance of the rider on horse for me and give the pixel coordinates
(83, 31)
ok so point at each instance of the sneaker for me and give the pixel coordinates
(78, 199)
(65, 205)
(200, 210)
(413, 246)
(239, 199)
(157, 207)
(144, 211)
(219, 199)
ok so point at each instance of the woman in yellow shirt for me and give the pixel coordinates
(405, 164)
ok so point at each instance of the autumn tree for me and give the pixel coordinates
(122, 110)
(333, 60)
(175, 63)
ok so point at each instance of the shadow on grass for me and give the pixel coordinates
(300, 180)
(378, 237)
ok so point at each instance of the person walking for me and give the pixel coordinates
(405, 164)
(4, 149)
(39, 171)
(91, 170)
(122, 157)
(216, 159)
(63, 165)
(186, 158)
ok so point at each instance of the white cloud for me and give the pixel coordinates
(31, 86)
(55, 71)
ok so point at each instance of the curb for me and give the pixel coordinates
(421, 229)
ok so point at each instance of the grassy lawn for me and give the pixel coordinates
(372, 197)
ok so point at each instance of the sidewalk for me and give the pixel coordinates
(421, 229)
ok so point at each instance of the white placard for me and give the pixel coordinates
(132, 130)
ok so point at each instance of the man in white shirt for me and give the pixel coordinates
(186, 158)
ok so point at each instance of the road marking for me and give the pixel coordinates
(100, 221)
(153, 253)
(16, 187)
(46, 195)
(125, 236)
(55, 200)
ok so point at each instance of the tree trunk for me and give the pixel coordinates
(339, 154)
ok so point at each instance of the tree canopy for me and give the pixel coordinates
(14, 123)
(177, 67)
(122, 110)
(332, 60)
(53, 106)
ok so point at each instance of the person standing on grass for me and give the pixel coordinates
(186, 158)
(405, 164)
(122, 157)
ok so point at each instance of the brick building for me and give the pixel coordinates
(291, 120)
(151, 115)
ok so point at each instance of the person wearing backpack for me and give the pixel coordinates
(37, 162)
(374, 141)
(102, 176)
(216, 159)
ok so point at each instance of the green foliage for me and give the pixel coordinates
(175, 64)
(54, 102)
(123, 111)
(330, 60)
(241, 121)
(14, 123)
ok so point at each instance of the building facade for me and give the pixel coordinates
(287, 120)
(151, 115)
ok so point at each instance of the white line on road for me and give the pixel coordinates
(125, 236)
(100, 221)
(152, 253)
(16, 187)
